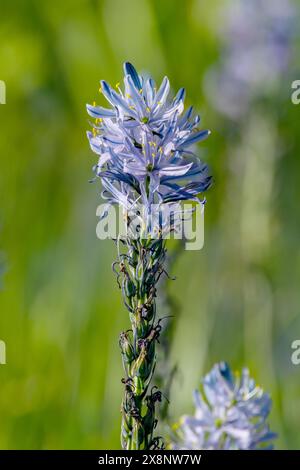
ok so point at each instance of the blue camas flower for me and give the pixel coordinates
(231, 414)
(147, 167)
(144, 144)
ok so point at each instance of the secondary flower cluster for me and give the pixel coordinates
(143, 141)
(231, 414)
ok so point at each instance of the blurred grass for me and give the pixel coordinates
(61, 312)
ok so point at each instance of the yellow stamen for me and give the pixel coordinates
(141, 91)
(148, 109)
(118, 85)
(128, 95)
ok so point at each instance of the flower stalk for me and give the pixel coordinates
(140, 269)
(148, 170)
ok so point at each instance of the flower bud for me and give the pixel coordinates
(126, 347)
(139, 271)
(129, 287)
(140, 366)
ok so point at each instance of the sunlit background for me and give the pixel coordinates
(236, 300)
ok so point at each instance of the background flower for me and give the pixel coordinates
(256, 55)
(231, 414)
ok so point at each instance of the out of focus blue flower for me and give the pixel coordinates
(144, 144)
(257, 40)
(231, 414)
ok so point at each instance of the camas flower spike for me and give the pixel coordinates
(143, 142)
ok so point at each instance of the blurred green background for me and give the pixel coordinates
(61, 312)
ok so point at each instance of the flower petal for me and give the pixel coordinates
(130, 70)
(99, 112)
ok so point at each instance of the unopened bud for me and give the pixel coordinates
(126, 347)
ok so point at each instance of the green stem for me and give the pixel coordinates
(140, 268)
